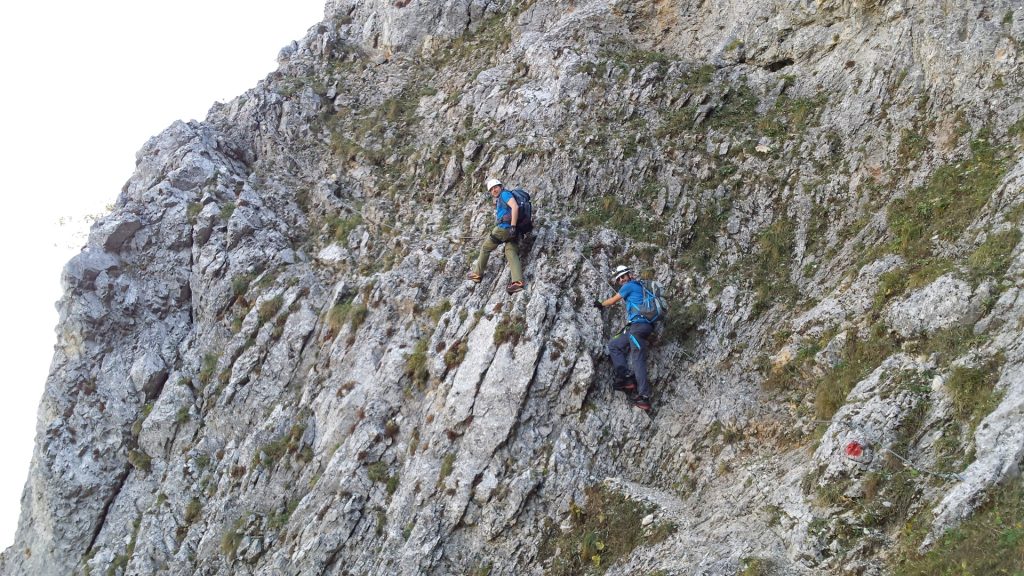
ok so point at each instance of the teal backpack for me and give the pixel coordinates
(653, 306)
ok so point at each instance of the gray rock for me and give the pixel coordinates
(221, 403)
(944, 303)
(999, 442)
(112, 234)
(149, 373)
(84, 268)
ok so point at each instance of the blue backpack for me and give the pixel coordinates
(524, 225)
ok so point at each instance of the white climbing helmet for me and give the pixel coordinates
(619, 272)
(492, 182)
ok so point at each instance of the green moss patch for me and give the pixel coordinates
(859, 358)
(279, 448)
(973, 392)
(701, 244)
(509, 329)
(770, 266)
(994, 256)
(948, 203)
(991, 542)
(416, 363)
(609, 212)
(343, 313)
(606, 528)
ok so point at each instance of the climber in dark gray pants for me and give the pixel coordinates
(630, 347)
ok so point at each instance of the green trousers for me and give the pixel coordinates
(496, 237)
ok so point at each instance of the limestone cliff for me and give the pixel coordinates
(268, 361)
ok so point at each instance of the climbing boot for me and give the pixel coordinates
(514, 287)
(474, 277)
(624, 382)
(642, 402)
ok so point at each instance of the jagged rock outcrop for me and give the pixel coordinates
(268, 362)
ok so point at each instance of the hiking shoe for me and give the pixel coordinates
(474, 277)
(514, 287)
(625, 382)
(624, 386)
(642, 402)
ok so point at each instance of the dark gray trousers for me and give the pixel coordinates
(629, 349)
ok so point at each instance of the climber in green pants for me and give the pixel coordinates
(504, 232)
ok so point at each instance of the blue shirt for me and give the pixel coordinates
(502, 210)
(633, 295)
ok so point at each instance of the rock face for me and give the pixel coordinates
(268, 361)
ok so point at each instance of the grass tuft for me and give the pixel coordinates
(991, 542)
(456, 354)
(269, 308)
(756, 567)
(416, 363)
(771, 266)
(232, 538)
(994, 256)
(447, 465)
(509, 329)
(192, 510)
(346, 313)
(339, 228)
(682, 322)
(609, 212)
(948, 203)
(608, 527)
(286, 444)
(208, 367)
(973, 392)
(141, 461)
(860, 357)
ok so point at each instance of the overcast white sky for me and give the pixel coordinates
(85, 84)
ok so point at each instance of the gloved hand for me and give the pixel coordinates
(512, 233)
(598, 305)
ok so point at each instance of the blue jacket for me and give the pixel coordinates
(632, 293)
(502, 210)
